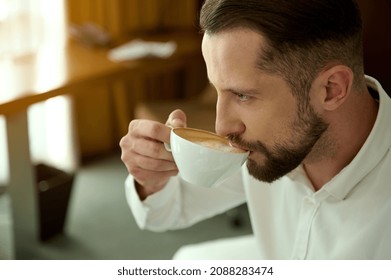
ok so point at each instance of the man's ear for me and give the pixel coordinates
(337, 83)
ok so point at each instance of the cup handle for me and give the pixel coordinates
(166, 145)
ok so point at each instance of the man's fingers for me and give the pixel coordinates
(177, 118)
(155, 165)
(151, 148)
(150, 129)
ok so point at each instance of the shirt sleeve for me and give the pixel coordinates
(180, 204)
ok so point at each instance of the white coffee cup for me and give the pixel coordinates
(204, 158)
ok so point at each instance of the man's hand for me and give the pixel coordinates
(144, 155)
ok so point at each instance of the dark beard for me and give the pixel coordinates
(282, 158)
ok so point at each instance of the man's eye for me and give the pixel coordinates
(242, 97)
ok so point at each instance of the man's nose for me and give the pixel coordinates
(228, 120)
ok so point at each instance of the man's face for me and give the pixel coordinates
(256, 110)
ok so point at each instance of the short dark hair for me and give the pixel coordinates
(302, 36)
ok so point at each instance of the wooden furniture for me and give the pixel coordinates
(76, 71)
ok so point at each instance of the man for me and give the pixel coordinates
(291, 90)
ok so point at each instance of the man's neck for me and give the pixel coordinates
(348, 130)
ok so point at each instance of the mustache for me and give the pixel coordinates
(250, 146)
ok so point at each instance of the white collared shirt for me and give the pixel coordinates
(348, 218)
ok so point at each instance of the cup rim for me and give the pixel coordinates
(209, 133)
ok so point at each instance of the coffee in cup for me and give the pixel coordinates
(208, 139)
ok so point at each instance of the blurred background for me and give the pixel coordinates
(55, 66)
(54, 57)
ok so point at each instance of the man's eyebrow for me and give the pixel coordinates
(245, 91)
